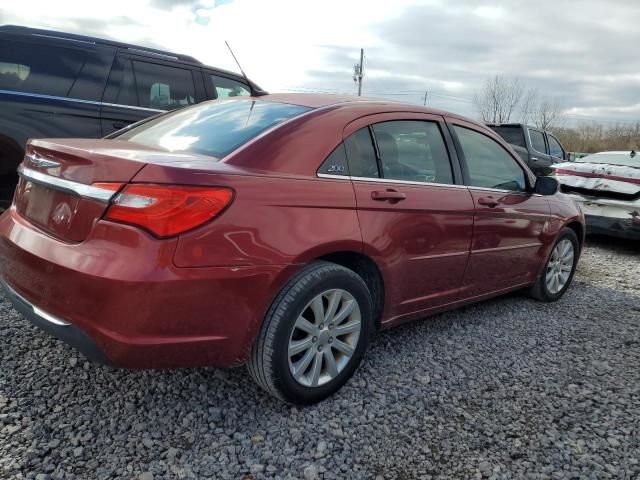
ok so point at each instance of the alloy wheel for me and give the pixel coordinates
(324, 338)
(560, 266)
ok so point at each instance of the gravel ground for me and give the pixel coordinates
(509, 388)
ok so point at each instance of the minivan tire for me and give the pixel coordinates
(269, 362)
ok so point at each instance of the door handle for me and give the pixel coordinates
(488, 202)
(534, 159)
(388, 195)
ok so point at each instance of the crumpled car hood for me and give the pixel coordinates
(599, 176)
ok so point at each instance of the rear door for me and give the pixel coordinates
(139, 88)
(415, 216)
(509, 222)
(539, 159)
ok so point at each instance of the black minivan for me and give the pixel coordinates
(55, 84)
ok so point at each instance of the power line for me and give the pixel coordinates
(419, 95)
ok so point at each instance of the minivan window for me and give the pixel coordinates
(163, 87)
(512, 134)
(488, 164)
(537, 141)
(413, 151)
(225, 87)
(215, 129)
(361, 154)
(43, 69)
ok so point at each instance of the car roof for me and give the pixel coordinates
(320, 100)
(130, 47)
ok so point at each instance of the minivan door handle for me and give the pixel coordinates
(488, 202)
(388, 195)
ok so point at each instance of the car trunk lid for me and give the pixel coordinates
(65, 185)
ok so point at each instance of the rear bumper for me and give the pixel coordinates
(612, 217)
(127, 304)
(57, 327)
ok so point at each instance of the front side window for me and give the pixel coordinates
(43, 69)
(488, 164)
(361, 154)
(537, 141)
(214, 129)
(163, 87)
(225, 87)
(413, 151)
(555, 150)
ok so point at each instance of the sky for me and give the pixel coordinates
(582, 53)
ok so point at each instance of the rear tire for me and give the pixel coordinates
(306, 316)
(559, 268)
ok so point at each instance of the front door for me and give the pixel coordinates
(509, 222)
(415, 215)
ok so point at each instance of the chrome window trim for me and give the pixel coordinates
(531, 142)
(80, 189)
(79, 100)
(387, 180)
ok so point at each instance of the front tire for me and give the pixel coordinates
(559, 268)
(314, 335)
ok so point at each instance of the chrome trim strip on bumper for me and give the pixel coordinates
(36, 310)
(80, 189)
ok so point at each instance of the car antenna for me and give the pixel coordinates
(255, 90)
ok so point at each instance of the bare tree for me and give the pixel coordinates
(547, 113)
(529, 105)
(499, 99)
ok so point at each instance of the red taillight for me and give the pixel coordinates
(167, 210)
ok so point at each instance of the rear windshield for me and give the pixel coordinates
(213, 128)
(612, 159)
(512, 135)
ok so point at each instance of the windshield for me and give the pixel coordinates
(512, 135)
(214, 128)
(622, 158)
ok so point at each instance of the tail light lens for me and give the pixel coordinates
(166, 210)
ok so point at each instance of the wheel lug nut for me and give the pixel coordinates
(319, 348)
(321, 326)
(330, 339)
(331, 326)
(314, 339)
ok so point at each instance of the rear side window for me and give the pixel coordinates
(215, 129)
(336, 162)
(225, 87)
(537, 141)
(163, 87)
(488, 163)
(413, 151)
(361, 154)
(36, 68)
(511, 134)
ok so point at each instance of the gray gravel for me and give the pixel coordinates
(509, 388)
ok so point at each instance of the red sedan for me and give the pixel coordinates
(279, 231)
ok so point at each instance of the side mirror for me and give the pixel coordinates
(546, 186)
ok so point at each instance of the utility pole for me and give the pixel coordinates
(425, 98)
(358, 72)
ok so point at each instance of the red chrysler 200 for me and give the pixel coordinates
(280, 231)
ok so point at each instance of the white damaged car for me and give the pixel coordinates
(607, 187)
